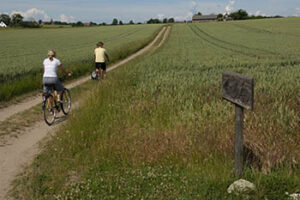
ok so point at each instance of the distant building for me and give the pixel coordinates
(205, 18)
(87, 24)
(227, 18)
(2, 25)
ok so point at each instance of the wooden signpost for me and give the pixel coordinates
(238, 89)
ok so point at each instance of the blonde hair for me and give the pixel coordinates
(51, 53)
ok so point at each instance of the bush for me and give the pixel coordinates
(30, 25)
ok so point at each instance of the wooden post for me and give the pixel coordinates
(238, 89)
(239, 141)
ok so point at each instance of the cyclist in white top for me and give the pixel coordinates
(51, 65)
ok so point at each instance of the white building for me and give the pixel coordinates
(2, 25)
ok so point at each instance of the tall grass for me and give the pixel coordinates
(20, 65)
(158, 128)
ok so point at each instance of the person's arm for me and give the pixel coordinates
(94, 55)
(106, 56)
(64, 70)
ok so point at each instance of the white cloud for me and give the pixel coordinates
(187, 17)
(160, 16)
(33, 14)
(229, 6)
(257, 13)
(65, 18)
(297, 12)
(194, 7)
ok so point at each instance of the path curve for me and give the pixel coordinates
(22, 151)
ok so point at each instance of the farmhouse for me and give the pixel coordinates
(227, 18)
(205, 18)
(2, 25)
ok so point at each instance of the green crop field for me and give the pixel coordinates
(162, 131)
(22, 51)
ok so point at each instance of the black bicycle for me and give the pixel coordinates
(51, 105)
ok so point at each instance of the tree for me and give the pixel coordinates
(30, 24)
(239, 15)
(78, 24)
(17, 19)
(171, 20)
(150, 21)
(220, 16)
(120, 22)
(199, 13)
(153, 21)
(114, 22)
(93, 24)
(5, 18)
(165, 20)
(40, 21)
(131, 22)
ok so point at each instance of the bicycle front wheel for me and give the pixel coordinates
(49, 110)
(66, 101)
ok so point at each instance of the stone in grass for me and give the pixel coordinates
(295, 196)
(241, 187)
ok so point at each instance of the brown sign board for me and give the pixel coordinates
(238, 89)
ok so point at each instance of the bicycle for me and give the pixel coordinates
(51, 105)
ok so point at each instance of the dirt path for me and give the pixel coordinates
(165, 37)
(21, 151)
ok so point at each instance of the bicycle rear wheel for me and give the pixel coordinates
(49, 110)
(66, 101)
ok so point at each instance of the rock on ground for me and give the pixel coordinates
(295, 196)
(241, 187)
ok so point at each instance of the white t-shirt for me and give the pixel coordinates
(100, 55)
(50, 67)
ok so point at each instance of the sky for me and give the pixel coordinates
(140, 10)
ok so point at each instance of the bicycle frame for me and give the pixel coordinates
(53, 93)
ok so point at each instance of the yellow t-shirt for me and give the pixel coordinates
(100, 55)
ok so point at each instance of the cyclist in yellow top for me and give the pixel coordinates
(101, 57)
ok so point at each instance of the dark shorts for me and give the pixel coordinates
(101, 65)
(52, 81)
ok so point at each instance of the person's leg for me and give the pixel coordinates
(104, 74)
(103, 69)
(98, 70)
(59, 89)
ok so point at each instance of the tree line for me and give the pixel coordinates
(242, 14)
(158, 21)
(16, 20)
